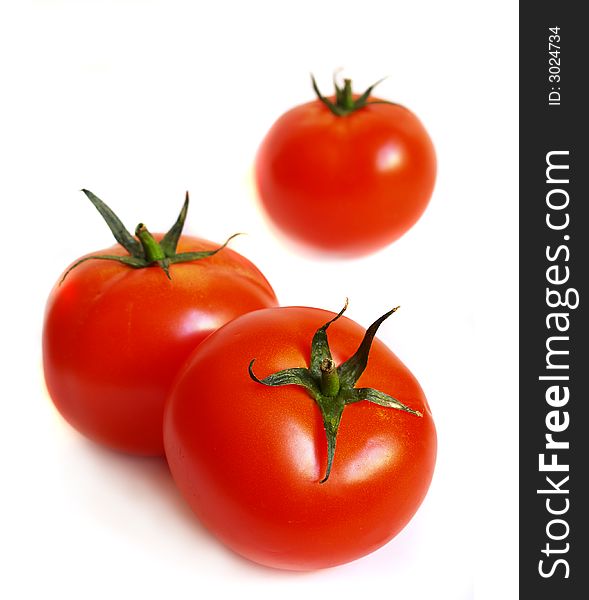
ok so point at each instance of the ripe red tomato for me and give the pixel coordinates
(252, 460)
(348, 183)
(114, 336)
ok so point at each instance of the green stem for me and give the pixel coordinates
(153, 251)
(145, 251)
(333, 388)
(345, 103)
(330, 384)
(347, 98)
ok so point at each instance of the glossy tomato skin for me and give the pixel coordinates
(248, 458)
(346, 185)
(114, 337)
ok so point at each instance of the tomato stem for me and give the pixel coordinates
(153, 251)
(330, 384)
(344, 102)
(347, 97)
(331, 387)
(146, 250)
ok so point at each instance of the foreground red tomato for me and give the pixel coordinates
(348, 175)
(115, 336)
(253, 461)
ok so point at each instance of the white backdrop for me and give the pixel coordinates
(139, 101)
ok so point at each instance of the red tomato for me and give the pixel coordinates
(346, 184)
(114, 337)
(250, 459)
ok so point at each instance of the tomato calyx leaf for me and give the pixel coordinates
(298, 376)
(377, 397)
(123, 237)
(332, 387)
(144, 250)
(345, 103)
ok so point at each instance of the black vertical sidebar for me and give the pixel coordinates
(554, 301)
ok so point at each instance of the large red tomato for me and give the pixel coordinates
(346, 175)
(115, 336)
(273, 471)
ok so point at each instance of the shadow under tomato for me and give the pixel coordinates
(136, 499)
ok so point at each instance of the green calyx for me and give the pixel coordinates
(332, 387)
(344, 102)
(144, 250)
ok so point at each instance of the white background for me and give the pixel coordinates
(139, 101)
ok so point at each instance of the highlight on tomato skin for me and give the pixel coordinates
(248, 444)
(118, 326)
(345, 183)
